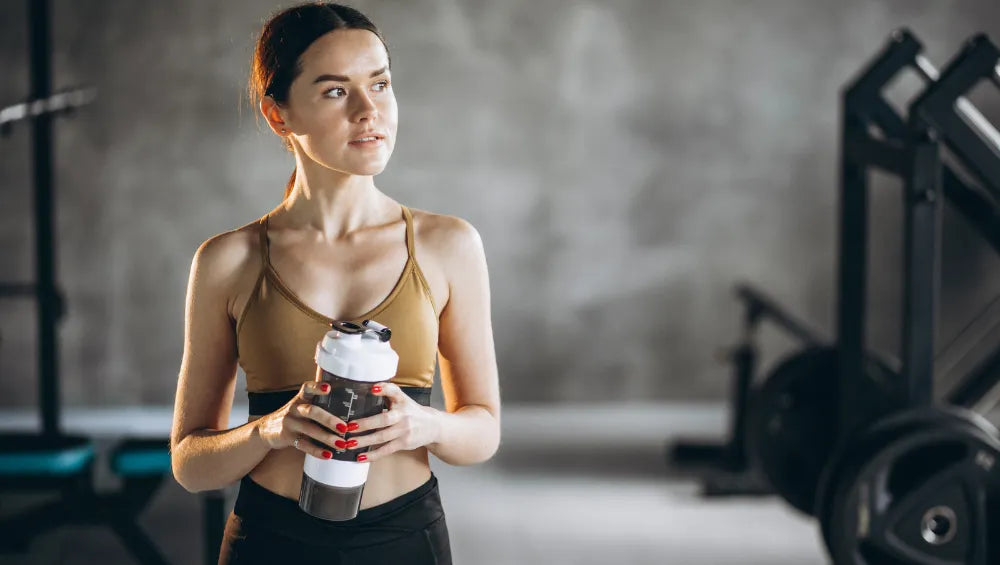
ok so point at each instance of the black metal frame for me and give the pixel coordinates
(943, 107)
(78, 501)
(971, 138)
(726, 464)
(903, 51)
(49, 300)
(910, 151)
(860, 150)
(758, 308)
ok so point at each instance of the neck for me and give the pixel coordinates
(331, 202)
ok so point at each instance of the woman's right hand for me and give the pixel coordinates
(300, 419)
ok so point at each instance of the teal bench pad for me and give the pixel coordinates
(39, 455)
(141, 457)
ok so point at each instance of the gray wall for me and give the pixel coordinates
(625, 162)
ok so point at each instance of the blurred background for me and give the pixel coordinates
(626, 163)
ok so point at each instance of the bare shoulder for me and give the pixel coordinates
(228, 251)
(446, 236)
(450, 252)
(226, 262)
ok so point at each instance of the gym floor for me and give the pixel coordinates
(570, 485)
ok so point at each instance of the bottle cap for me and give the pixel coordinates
(357, 353)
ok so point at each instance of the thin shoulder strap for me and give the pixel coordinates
(408, 216)
(265, 250)
(409, 230)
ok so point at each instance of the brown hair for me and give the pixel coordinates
(283, 39)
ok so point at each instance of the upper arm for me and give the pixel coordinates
(465, 340)
(208, 367)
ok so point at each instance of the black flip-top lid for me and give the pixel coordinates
(368, 328)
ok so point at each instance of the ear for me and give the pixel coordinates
(275, 116)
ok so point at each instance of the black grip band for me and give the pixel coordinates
(262, 403)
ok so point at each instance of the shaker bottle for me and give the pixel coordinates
(351, 358)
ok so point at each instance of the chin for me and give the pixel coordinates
(358, 167)
(367, 170)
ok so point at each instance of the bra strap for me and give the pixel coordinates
(264, 244)
(408, 217)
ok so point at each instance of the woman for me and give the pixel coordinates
(263, 295)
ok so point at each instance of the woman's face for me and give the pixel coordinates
(341, 99)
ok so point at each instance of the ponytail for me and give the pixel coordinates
(291, 183)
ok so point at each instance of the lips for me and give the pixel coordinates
(368, 137)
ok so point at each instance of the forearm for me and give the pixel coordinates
(467, 436)
(213, 459)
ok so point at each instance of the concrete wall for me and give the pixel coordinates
(625, 162)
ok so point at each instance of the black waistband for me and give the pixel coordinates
(262, 403)
(258, 507)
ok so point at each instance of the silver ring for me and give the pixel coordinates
(296, 443)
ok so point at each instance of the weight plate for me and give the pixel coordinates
(793, 420)
(920, 488)
(861, 448)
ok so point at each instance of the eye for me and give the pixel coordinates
(381, 85)
(339, 90)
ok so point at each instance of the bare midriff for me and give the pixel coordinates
(390, 477)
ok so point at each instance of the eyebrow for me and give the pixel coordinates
(342, 78)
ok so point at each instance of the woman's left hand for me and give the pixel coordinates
(406, 425)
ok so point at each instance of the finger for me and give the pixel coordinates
(390, 391)
(312, 431)
(377, 421)
(305, 444)
(310, 389)
(387, 449)
(320, 416)
(379, 437)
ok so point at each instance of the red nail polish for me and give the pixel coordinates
(325, 387)
(376, 389)
(352, 443)
(342, 428)
(327, 455)
(351, 427)
(362, 458)
(340, 444)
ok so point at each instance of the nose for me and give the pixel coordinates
(365, 109)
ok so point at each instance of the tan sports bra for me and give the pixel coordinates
(277, 333)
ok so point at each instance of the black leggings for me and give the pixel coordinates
(266, 527)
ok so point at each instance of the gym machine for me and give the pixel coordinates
(892, 477)
(854, 437)
(917, 482)
(52, 461)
